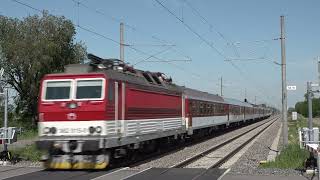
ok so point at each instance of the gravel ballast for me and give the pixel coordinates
(250, 160)
(187, 152)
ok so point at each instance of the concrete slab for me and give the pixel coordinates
(118, 174)
(7, 168)
(178, 173)
(274, 147)
(9, 172)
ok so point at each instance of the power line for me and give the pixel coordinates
(211, 27)
(143, 60)
(24, 4)
(104, 14)
(245, 59)
(140, 51)
(199, 36)
(98, 34)
(151, 56)
(130, 27)
(191, 29)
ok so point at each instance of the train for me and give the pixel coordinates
(105, 110)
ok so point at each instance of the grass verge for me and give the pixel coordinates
(28, 134)
(291, 156)
(28, 153)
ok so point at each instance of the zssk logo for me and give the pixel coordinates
(71, 116)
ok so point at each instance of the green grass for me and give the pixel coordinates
(29, 153)
(291, 156)
(28, 134)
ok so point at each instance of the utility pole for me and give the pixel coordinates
(5, 96)
(5, 146)
(309, 95)
(121, 42)
(284, 84)
(255, 100)
(221, 85)
(318, 69)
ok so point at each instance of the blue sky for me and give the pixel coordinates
(248, 28)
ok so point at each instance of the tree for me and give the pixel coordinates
(33, 47)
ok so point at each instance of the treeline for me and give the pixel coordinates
(302, 107)
(30, 48)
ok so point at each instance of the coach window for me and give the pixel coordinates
(57, 90)
(201, 108)
(89, 89)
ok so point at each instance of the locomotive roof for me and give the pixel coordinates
(133, 78)
(142, 78)
(199, 95)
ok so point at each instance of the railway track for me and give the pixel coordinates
(220, 153)
(205, 164)
(163, 151)
(120, 173)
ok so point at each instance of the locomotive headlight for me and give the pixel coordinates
(57, 145)
(72, 105)
(46, 130)
(98, 129)
(92, 129)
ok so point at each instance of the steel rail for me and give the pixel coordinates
(200, 155)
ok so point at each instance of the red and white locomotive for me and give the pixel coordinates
(96, 112)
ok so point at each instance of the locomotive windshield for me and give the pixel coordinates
(89, 89)
(57, 90)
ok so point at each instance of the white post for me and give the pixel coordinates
(5, 95)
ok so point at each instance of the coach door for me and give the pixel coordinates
(188, 103)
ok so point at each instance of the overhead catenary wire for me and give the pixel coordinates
(192, 30)
(202, 39)
(133, 48)
(204, 20)
(211, 27)
(104, 14)
(134, 29)
(98, 34)
(117, 42)
(167, 61)
(27, 5)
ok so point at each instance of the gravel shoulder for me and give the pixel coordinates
(182, 154)
(249, 162)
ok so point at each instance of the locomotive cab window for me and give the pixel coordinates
(89, 89)
(57, 90)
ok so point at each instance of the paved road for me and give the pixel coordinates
(9, 171)
(26, 173)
